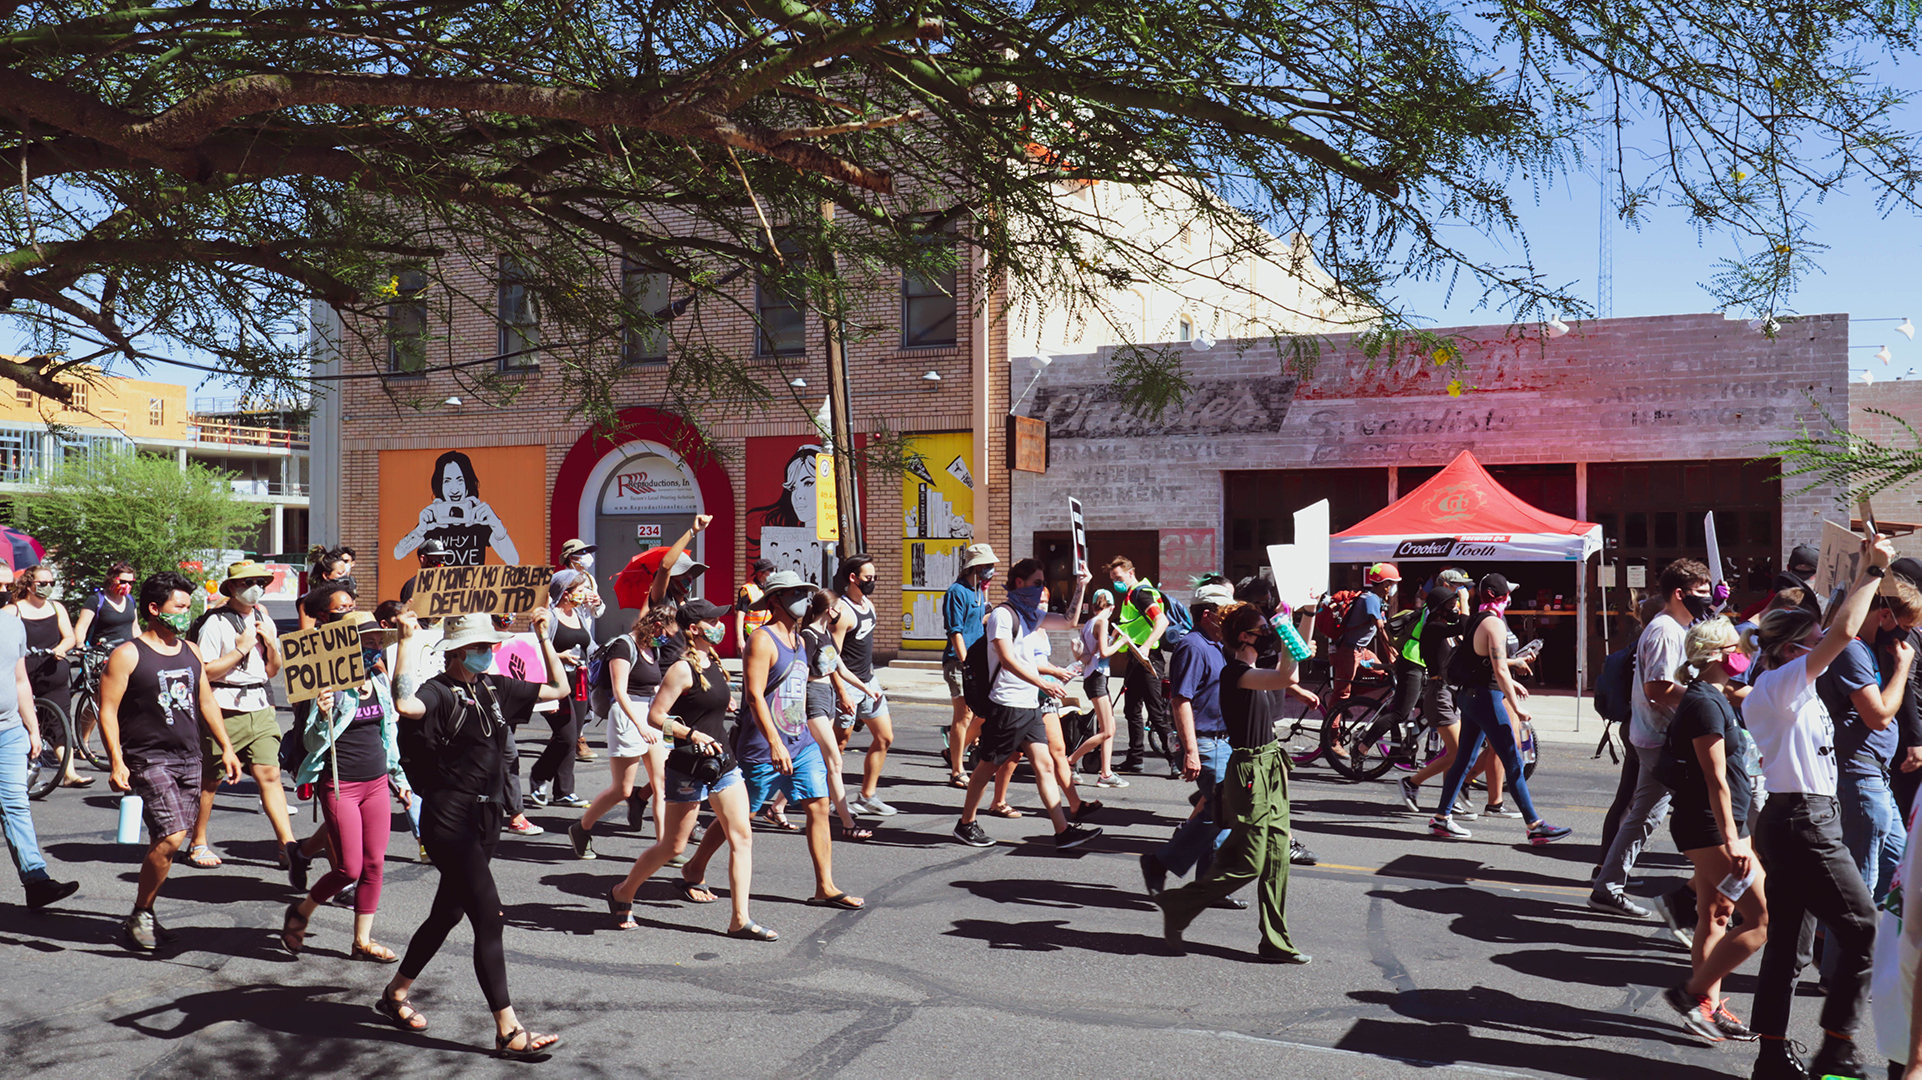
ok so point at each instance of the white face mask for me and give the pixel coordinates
(252, 594)
(586, 560)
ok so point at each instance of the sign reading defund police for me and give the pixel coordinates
(442, 591)
(321, 659)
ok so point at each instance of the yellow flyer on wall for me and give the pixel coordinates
(937, 515)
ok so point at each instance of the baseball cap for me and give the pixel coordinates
(1455, 578)
(1804, 555)
(1496, 585)
(701, 609)
(1218, 593)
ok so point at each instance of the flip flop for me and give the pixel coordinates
(753, 931)
(686, 889)
(203, 856)
(777, 821)
(1004, 810)
(838, 900)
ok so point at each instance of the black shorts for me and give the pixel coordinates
(1007, 732)
(1695, 827)
(1095, 684)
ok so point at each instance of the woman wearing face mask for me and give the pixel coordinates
(1098, 643)
(633, 742)
(48, 629)
(353, 757)
(830, 689)
(1706, 767)
(327, 569)
(572, 631)
(1798, 834)
(853, 628)
(1487, 693)
(108, 617)
(453, 746)
(691, 707)
(322, 604)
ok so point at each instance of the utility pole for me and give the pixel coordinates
(841, 423)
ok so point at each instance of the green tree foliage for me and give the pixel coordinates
(187, 174)
(142, 509)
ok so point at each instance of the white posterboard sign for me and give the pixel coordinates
(1715, 572)
(1301, 568)
(1079, 526)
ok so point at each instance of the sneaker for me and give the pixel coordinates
(1837, 1058)
(582, 840)
(1298, 855)
(1074, 836)
(970, 833)
(1544, 833)
(571, 801)
(1087, 809)
(1409, 790)
(1441, 826)
(1617, 904)
(1131, 767)
(44, 891)
(1154, 876)
(1732, 1028)
(1276, 956)
(1697, 1014)
(297, 865)
(1463, 809)
(699, 834)
(872, 804)
(539, 795)
(1500, 810)
(583, 752)
(138, 932)
(520, 826)
(1677, 909)
(1109, 780)
(1077, 778)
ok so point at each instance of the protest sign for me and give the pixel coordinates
(1301, 568)
(1841, 558)
(1079, 527)
(441, 591)
(1715, 571)
(320, 659)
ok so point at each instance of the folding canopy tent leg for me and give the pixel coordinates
(1581, 637)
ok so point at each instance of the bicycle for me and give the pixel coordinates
(84, 715)
(45, 771)
(1310, 734)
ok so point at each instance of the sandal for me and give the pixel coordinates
(374, 953)
(777, 820)
(532, 1050)
(1004, 810)
(957, 780)
(856, 832)
(293, 929)
(838, 900)
(687, 889)
(753, 931)
(623, 912)
(390, 1010)
(203, 856)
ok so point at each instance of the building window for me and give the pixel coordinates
(22, 395)
(407, 324)
(780, 313)
(19, 454)
(156, 411)
(78, 403)
(519, 317)
(646, 296)
(1185, 329)
(927, 306)
(1187, 238)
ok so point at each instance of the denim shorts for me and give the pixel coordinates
(684, 788)
(809, 780)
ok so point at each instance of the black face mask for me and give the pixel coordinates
(1698, 606)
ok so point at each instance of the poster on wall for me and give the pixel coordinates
(937, 517)
(469, 500)
(784, 505)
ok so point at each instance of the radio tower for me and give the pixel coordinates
(1605, 248)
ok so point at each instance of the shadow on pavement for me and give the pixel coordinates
(1055, 894)
(1455, 1035)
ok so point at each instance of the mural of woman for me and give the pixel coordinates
(787, 536)
(458, 518)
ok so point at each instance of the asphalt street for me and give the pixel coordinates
(1432, 958)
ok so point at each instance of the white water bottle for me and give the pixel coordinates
(130, 810)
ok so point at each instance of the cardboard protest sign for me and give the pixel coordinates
(1841, 558)
(1079, 526)
(320, 659)
(442, 591)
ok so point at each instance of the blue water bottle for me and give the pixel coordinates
(1291, 638)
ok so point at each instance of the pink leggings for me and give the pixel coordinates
(359, 818)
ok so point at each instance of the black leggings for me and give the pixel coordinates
(556, 762)
(459, 832)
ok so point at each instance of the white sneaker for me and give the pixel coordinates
(1441, 826)
(1110, 780)
(1463, 809)
(1077, 779)
(1409, 791)
(873, 805)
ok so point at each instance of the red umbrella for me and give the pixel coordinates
(18, 550)
(637, 577)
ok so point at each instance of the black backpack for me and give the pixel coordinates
(225, 612)
(1615, 690)
(976, 678)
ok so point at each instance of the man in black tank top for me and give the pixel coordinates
(854, 621)
(154, 703)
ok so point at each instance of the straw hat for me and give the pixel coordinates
(476, 628)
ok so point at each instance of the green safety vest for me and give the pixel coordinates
(1411, 649)
(1133, 621)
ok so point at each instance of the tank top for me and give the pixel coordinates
(570, 639)
(46, 673)
(703, 705)
(42, 633)
(857, 645)
(110, 627)
(160, 713)
(643, 672)
(1092, 662)
(1467, 667)
(786, 697)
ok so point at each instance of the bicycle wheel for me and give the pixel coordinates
(1367, 742)
(91, 746)
(45, 771)
(1302, 741)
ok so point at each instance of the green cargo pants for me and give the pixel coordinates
(1254, 804)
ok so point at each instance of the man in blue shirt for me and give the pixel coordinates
(1194, 674)
(1366, 623)
(1863, 705)
(964, 611)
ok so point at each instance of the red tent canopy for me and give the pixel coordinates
(1464, 513)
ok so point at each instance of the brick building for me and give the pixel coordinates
(1638, 424)
(417, 457)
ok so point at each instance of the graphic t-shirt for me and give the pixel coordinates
(786, 697)
(358, 748)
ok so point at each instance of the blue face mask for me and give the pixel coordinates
(1027, 604)
(369, 657)
(477, 660)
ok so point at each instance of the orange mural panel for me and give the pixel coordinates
(485, 504)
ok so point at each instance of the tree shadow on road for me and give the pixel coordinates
(1467, 1027)
(1054, 935)
(292, 1032)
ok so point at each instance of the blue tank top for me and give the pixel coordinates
(786, 696)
